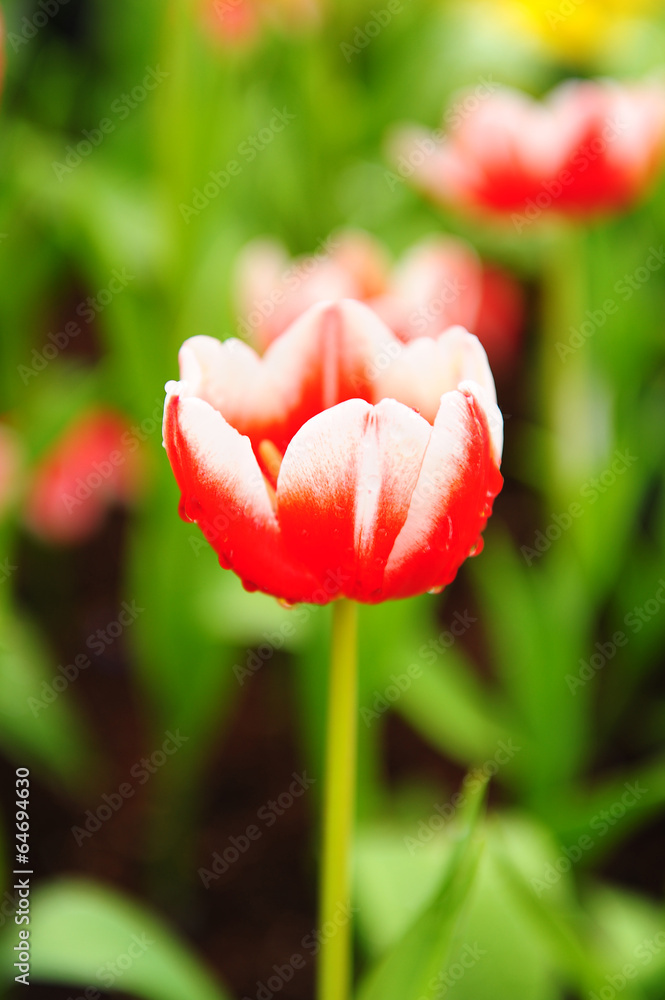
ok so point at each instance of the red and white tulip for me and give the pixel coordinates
(311, 471)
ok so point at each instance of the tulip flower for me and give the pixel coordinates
(93, 465)
(233, 22)
(590, 147)
(273, 290)
(342, 462)
(236, 23)
(440, 282)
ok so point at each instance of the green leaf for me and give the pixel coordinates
(439, 694)
(85, 935)
(186, 670)
(403, 974)
(451, 711)
(632, 929)
(536, 645)
(497, 949)
(39, 725)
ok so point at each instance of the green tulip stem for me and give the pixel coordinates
(334, 972)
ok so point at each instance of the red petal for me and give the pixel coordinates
(451, 502)
(321, 360)
(224, 492)
(344, 489)
(424, 369)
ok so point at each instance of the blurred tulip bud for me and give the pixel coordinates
(93, 465)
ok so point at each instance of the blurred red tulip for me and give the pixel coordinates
(590, 147)
(234, 22)
(241, 22)
(309, 472)
(93, 465)
(274, 290)
(440, 282)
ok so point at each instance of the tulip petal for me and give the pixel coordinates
(424, 369)
(345, 487)
(438, 283)
(451, 502)
(589, 147)
(224, 492)
(325, 357)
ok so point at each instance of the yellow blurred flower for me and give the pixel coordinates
(578, 29)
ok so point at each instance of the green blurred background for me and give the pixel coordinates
(568, 891)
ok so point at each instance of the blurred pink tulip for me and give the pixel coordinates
(590, 147)
(94, 464)
(274, 290)
(440, 282)
(234, 22)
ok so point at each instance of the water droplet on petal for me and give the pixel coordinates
(285, 604)
(436, 590)
(183, 509)
(477, 548)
